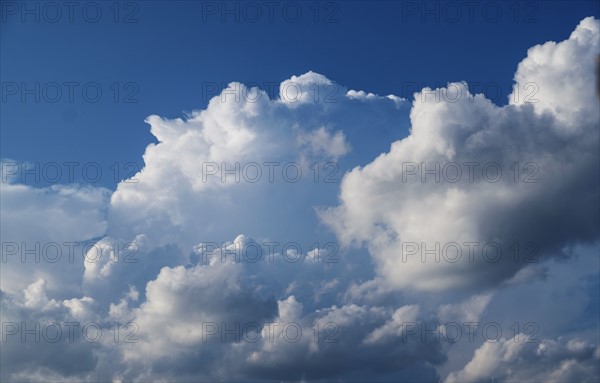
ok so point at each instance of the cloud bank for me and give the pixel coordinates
(232, 256)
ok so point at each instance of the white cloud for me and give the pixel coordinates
(516, 360)
(387, 205)
(467, 311)
(184, 184)
(558, 77)
(58, 213)
(36, 298)
(396, 326)
(171, 293)
(321, 142)
(39, 228)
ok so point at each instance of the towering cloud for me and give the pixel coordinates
(465, 198)
(451, 204)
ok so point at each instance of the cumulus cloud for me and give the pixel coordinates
(517, 360)
(320, 142)
(213, 321)
(169, 257)
(35, 296)
(395, 327)
(246, 153)
(432, 216)
(44, 232)
(468, 311)
(61, 350)
(80, 210)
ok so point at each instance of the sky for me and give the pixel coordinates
(300, 191)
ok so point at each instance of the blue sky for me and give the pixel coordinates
(438, 170)
(168, 52)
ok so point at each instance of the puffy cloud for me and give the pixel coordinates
(56, 213)
(180, 301)
(468, 311)
(154, 269)
(556, 82)
(403, 214)
(517, 360)
(43, 337)
(246, 154)
(44, 232)
(334, 345)
(323, 143)
(113, 267)
(309, 88)
(211, 321)
(36, 298)
(395, 327)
